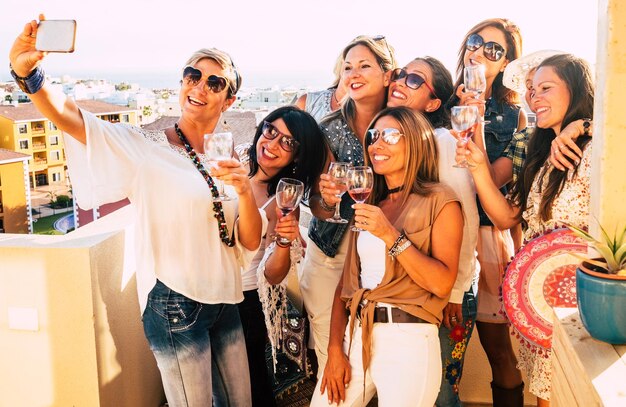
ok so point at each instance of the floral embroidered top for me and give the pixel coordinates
(570, 206)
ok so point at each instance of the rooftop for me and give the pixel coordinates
(241, 124)
(9, 156)
(28, 111)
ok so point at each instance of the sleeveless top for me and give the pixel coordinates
(318, 103)
(248, 277)
(345, 147)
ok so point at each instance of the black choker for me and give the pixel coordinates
(394, 190)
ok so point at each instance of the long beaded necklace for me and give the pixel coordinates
(217, 206)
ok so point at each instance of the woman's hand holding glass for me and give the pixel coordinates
(289, 193)
(287, 226)
(467, 151)
(335, 182)
(234, 173)
(470, 98)
(464, 121)
(219, 147)
(372, 219)
(360, 183)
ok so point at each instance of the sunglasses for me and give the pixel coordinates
(215, 83)
(492, 51)
(286, 142)
(413, 80)
(390, 136)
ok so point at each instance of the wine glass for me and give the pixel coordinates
(360, 182)
(289, 193)
(474, 79)
(219, 147)
(339, 174)
(464, 119)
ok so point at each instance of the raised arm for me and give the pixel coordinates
(502, 213)
(58, 108)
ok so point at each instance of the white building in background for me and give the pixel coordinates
(263, 99)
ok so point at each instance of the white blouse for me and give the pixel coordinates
(177, 238)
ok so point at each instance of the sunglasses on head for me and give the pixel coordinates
(492, 51)
(390, 136)
(215, 83)
(413, 80)
(286, 142)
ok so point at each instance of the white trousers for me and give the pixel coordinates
(319, 279)
(405, 369)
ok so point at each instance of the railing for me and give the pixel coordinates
(39, 146)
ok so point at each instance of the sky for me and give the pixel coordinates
(280, 42)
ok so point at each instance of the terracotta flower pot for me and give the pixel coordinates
(602, 303)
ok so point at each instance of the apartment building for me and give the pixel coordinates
(15, 214)
(25, 130)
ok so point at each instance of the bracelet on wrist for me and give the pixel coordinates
(397, 242)
(283, 245)
(394, 252)
(325, 206)
(32, 83)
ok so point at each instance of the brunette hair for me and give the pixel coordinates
(577, 76)
(308, 159)
(513, 51)
(420, 160)
(442, 85)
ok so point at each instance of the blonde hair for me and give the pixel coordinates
(225, 61)
(420, 159)
(385, 57)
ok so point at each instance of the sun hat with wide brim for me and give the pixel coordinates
(516, 71)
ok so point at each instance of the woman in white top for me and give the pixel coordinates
(398, 274)
(424, 85)
(288, 144)
(187, 244)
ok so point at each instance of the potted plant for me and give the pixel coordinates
(601, 287)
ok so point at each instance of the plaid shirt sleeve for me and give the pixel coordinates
(516, 151)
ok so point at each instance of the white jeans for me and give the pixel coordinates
(318, 282)
(405, 369)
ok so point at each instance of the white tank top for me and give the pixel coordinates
(248, 277)
(372, 252)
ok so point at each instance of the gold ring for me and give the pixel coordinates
(32, 35)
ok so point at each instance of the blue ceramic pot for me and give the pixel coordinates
(602, 304)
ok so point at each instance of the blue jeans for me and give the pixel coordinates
(453, 346)
(199, 348)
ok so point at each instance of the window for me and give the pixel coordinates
(23, 144)
(56, 177)
(266, 100)
(52, 126)
(55, 155)
(125, 118)
(54, 140)
(23, 128)
(1, 225)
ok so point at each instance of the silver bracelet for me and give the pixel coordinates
(325, 206)
(398, 249)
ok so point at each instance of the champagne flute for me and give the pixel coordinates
(464, 119)
(360, 183)
(289, 193)
(219, 147)
(339, 174)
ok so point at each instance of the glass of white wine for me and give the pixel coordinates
(219, 147)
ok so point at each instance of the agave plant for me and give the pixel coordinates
(612, 249)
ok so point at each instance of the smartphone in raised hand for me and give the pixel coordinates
(56, 36)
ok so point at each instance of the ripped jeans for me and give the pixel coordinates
(199, 348)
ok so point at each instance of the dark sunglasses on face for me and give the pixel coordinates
(492, 51)
(413, 80)
(390, 136)
(215, 83)
(286, 142)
